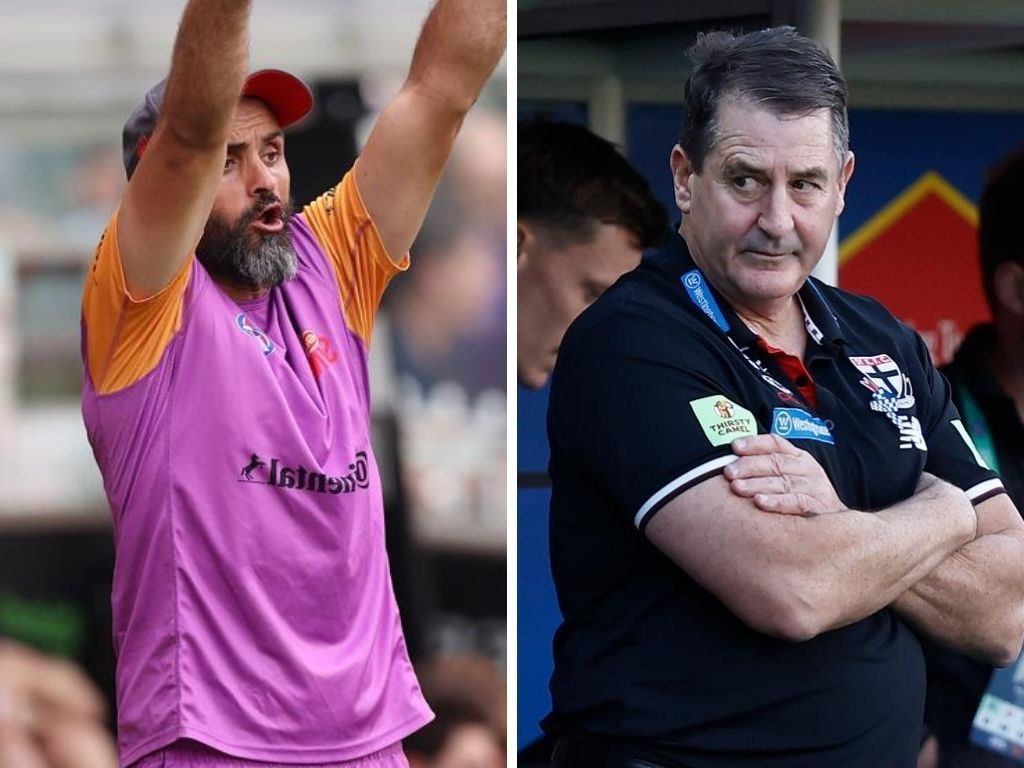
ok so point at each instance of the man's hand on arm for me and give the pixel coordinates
(779, 477)
(171, 193)
(398, 170)
(800, 574)
(973, 600)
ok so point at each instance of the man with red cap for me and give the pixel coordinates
(225, 341)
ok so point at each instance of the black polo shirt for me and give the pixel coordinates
(652, 384)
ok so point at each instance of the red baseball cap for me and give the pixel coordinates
(287, 97)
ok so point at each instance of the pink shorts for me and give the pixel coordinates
(186, 753)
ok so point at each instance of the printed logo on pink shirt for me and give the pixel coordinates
(251, 330)
(319, 352)
(298, 478)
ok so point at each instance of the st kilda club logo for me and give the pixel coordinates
(298, 478)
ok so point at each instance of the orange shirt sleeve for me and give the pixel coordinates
(360, 262)
(125, 337)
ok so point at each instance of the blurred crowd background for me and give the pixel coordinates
(70, 73)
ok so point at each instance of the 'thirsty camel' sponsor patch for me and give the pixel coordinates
(722, 419)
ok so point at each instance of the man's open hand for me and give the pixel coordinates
(779, 477)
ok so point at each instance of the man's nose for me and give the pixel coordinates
(261, 179)
(776, 218)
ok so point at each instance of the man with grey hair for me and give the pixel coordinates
(761, 489)
(226, 397)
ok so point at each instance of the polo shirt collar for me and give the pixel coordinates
(821, 323)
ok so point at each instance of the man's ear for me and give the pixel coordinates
(844, 178)
(524, 239)
(1008, 287)
(682, 178)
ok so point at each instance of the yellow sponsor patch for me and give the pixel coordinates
(722, 419)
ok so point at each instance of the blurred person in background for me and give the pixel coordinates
(449, 315)
(584, 216)
(460, 736)
(227, 404)
(987, 380)
(51, 714)
(442, 312)
(478, 179)
(471, 678)
(467, 694)
(478, 172)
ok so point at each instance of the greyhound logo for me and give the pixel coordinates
(255, 462)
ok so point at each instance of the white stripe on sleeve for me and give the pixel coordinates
(704, 469)
(981, 489)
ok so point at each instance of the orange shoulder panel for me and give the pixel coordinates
(363, 267)
(125, 337)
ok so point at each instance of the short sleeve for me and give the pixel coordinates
(952, 454)
(360, 262)
(643, 412)
(126, 337)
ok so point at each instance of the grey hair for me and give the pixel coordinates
(777, 68)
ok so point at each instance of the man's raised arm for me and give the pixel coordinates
(458, 48)
(171, 192)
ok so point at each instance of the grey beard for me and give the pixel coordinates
(247, 258)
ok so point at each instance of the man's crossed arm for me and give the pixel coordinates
(771, 539)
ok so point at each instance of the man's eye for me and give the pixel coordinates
(230, 163)
(746, 184)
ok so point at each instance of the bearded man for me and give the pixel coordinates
(226, 399)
